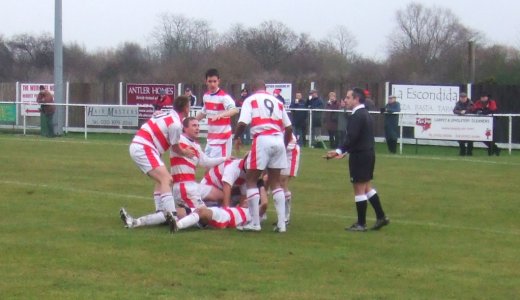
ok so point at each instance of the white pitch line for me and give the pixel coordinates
(443, 158)
(72, 190)
(393, 220)
(65, 141)
(428, 224)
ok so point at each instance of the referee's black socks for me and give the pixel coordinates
(376, 203)
(361, 207)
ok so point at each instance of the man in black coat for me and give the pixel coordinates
(299, 118)
(359, 144)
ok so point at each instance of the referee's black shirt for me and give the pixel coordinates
(360, 132)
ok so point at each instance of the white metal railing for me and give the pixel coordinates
(119, 129)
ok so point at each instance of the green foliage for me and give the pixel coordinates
(454, 231)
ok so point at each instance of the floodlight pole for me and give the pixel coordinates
(59, 120)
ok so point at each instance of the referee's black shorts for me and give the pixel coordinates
(361, 166)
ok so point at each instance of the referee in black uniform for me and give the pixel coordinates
(359, 144)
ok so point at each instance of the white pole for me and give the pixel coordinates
(58, 68)
(120, 93)
(18, 99)
(310, 127)
(468, 90)
(85, 122)
(400, 133)
(510, 133)
(179, 88)
(120, 102)
(242, 86)
(24, 124)
(387, 91)
(67, 107)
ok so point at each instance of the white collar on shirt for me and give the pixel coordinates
(358, 107)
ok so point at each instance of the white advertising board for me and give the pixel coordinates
(28, 94)
(424, 99)
(456, 128)
(112, 115)
(285, 91)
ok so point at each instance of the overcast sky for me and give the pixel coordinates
(102, 24)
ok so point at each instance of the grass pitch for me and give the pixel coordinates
(454, 232)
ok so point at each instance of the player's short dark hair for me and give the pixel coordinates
(42, 87)
(358, 93)
(211, 73)
(186, 121)
(258, 84)
(180, 103)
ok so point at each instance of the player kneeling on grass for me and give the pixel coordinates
(159, 133)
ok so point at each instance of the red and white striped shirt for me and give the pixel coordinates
(219, 131)
(183, 168)
(231, 171)
(265, 113)
(160, 131)
(224, 217)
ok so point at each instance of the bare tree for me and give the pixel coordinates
(6, 60)
(32, 54)
(425, 38)
(341, 39)
(271, 43)
(177, 35)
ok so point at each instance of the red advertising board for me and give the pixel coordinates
(146, 95)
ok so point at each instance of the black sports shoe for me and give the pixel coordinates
(380, 223)
(356, 227)
(170, 219)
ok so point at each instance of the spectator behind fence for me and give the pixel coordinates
(331, 120)
(163, 100)
(486, 106)
(462, 107)
(342, 121)
(246, 137)
(391, 123)
(47, 110)
(278, 94)
(369, 103)
(315, 102)
(299, 118)
(189, 94)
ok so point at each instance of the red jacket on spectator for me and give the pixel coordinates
(485, 107)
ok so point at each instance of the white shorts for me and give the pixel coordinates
(219, 150)
(267, 151)
(145, 157)
(293, 161)
(229, 217)
(187, 194)
(204, 189)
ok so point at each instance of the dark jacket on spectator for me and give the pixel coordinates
(315, 103)
(299, 118)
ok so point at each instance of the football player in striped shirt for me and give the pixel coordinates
(185, 186)
(219, 181)
(272, 131)
(218, 107)
(158, 134)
